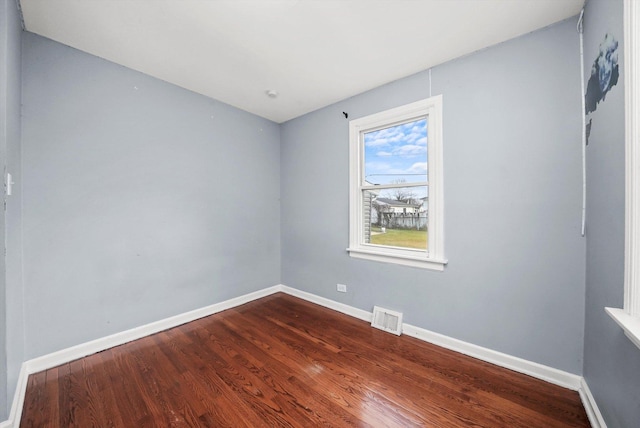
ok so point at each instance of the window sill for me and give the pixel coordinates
(387, 257)
(630, 324)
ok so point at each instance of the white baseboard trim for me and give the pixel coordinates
(327, 303)
(590, 406)
(539, 371)
(520, 365)
(548, 374)
(82, 350)
(79, 351)
(18, 400)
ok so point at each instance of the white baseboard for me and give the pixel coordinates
(520, 365)
(539, 371)
(548, 374)
(73, 353)
(590, 406)
(18, 400)
(327, 303)
(82, 350)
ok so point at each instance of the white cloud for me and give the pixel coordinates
(376, 141)
(418, 168)
(409, 150)
(415, 136)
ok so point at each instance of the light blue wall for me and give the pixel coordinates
(512, 174)
(141, 200)
(611, 361)
(12, 341)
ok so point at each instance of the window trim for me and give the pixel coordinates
(629, 317)
(433, 258)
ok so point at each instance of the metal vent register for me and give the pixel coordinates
(387, 320)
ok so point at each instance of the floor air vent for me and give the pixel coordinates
(387, 320)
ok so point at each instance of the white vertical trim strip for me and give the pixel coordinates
(584, 125)
(632, 158)
(436, 180)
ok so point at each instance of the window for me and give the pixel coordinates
(629, 317)
(396, 202)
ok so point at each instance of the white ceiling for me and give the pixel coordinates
(312, 52)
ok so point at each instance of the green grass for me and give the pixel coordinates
(400, 238)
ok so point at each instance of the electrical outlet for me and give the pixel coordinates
(342, 288)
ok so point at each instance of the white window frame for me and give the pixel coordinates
(433, 258)
(629, 317)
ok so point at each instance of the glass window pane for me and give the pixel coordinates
(397, 154)
(397, 217)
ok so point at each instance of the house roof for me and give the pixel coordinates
(395, 203)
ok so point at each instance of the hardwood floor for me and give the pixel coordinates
(283, 362)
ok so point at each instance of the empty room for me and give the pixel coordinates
(297, 213)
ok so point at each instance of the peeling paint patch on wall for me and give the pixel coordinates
(604, 73)
(604, 76)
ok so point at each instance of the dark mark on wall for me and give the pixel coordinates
(604, 73)
(604, 76)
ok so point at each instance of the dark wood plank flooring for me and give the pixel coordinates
(283, 362)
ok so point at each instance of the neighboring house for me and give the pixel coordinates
(399, 215)
(370, 215)
(370, 212)
(391, 206)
